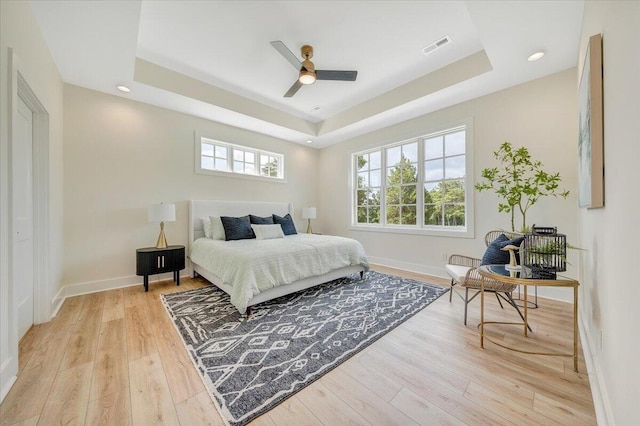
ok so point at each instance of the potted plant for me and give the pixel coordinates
(520, 182)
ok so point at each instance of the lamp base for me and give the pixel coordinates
(162, 240)
(309, 230)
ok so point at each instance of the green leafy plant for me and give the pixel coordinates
(519, 181)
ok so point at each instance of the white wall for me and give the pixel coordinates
(20, 32)
(540, 115)
(610, 292)
(121, 156)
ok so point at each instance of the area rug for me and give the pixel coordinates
(250, 365)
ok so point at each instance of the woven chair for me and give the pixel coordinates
(464, 272)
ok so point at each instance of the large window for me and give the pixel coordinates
(369, 177)
(214, 156)
(419, 185)
(444, 179)
(400, 190)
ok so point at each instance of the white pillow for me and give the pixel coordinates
(206, 224)
(217, 230)
(267, 232)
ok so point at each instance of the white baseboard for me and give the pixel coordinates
(104, 285)
(7, 382)
(410, 267)
(442, 273)
(57, 301)
(599, 394)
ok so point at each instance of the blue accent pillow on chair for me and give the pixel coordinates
(237, 228)
(288, 227)
(495, 255)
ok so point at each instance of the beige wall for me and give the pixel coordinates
(610, 291)
(121, 156)
(540, 115)
(20, 32)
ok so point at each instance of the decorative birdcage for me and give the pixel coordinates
(545, 252)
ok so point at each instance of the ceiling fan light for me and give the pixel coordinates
(307, 77)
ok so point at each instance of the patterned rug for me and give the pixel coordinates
(250, 365)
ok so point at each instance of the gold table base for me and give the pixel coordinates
(522, 351)
(485, 272)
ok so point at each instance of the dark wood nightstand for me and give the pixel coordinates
(151, 260)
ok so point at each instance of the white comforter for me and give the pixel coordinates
(252, 266)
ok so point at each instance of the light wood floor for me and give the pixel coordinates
(115, 358)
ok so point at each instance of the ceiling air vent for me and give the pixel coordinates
(436, 45)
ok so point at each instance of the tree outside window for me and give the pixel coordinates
(402, 177)
(369, 182)
(435, 163)
(269, 165)
(444, 176)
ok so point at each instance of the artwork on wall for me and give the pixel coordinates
(590, 128)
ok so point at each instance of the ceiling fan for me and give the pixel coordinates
(308, 73)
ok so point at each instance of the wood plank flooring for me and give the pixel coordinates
(114, 358)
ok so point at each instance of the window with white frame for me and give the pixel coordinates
(270, 165)
(244, 161)
(215, 156)
(444, 179)
(369, 178)
(419, 185)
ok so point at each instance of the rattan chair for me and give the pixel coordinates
(464, 272)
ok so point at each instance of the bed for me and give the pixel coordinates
(246, 270)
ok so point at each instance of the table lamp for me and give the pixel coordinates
(309, 213)
(162, 213)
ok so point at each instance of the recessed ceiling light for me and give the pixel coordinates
(309, 141)
(123, 88)
(535, 56)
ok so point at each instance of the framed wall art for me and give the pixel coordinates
(590, 128)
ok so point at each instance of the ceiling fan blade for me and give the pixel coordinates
(336, 75)
(288, 55)
(292, 91)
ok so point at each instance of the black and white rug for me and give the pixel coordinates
(250, 365)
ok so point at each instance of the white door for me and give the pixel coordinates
(22, 202)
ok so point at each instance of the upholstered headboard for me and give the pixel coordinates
(205, 208)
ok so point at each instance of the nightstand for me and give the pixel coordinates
(151, 260)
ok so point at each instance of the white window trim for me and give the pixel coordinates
(467, 232)
(199, 138)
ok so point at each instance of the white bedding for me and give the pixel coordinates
(252, 266)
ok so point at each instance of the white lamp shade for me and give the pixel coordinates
(162, 213)
(308, 212)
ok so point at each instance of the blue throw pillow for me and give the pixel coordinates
(237, 228)
(495, 255)
(257, 220)
(287, 224)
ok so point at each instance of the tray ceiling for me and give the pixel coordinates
(214, 60)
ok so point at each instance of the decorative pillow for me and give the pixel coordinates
(495, 255)
(237, 228)
(206, 225)
(261, 220)
(217, 230)
(288, 227)
(267, 232)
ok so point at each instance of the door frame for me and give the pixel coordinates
(18, 85)
(19, 88)
(40, 172)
